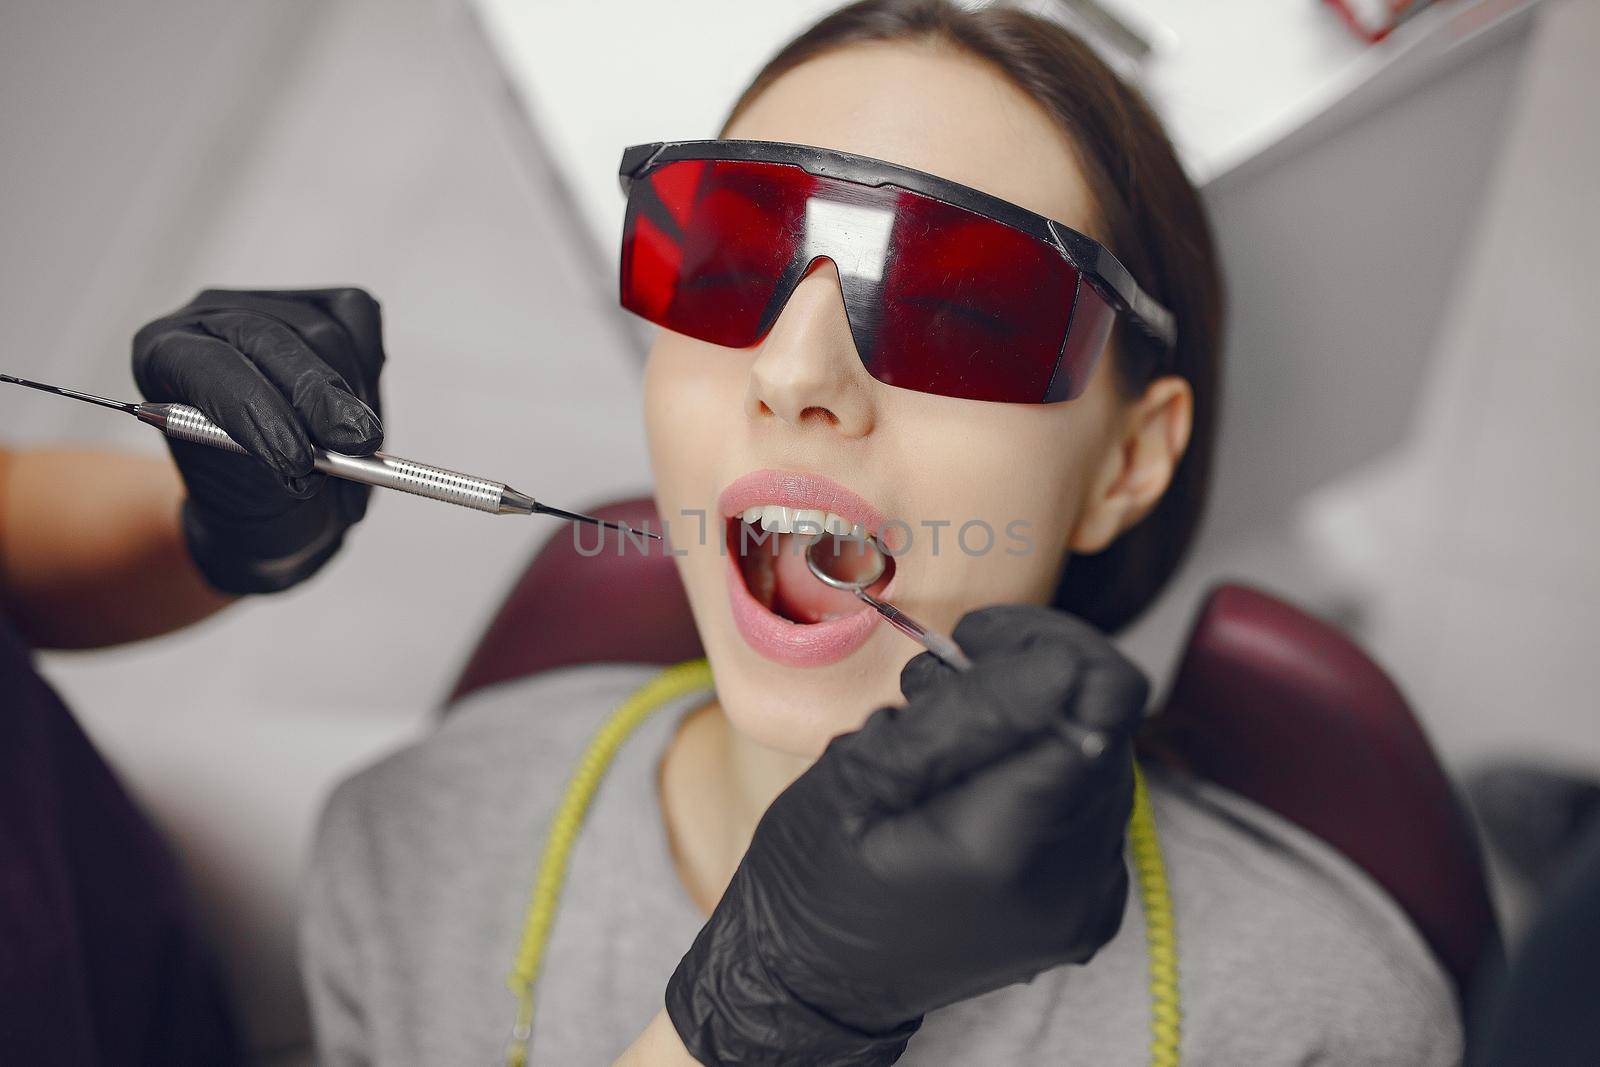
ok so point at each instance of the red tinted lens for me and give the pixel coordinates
(970, 307)
(940, 299)
(706, 242)
(1090, 329)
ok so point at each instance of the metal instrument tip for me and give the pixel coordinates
(608, 524)
(12, 379)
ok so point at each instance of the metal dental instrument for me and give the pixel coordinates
(184, 423)
(1090, 742)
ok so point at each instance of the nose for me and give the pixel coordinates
(806, 372)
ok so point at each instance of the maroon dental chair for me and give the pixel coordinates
(1267, 702)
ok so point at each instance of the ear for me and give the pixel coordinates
(1150, 439)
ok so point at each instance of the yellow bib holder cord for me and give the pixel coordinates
(674, 682)
(1144, 846)
(1160, 928)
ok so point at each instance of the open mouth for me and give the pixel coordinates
(770, 544)
(780, 608)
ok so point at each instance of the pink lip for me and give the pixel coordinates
(790, 643)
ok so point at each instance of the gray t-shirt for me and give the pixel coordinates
(423, 866)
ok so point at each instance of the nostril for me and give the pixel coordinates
(819, 414)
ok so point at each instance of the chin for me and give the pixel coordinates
(797, 711)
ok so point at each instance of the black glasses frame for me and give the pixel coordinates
(1091, 258)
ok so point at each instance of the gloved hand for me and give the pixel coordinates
(947, 848)
(280, 371)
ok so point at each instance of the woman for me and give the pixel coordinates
(948, 883)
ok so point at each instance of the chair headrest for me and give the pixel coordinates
(1281, 708)
(588, 597)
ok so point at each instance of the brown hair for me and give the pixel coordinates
(1153, 222)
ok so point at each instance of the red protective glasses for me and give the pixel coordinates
(948, 290)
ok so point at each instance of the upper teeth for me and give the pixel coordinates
(778, 519)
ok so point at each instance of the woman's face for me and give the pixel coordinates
(796, 419)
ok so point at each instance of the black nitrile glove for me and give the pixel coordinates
(280, 371)
(945, 849)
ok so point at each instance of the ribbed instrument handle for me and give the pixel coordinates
(190, 424)
(186, 423)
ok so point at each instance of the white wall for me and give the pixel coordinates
(124, 135)
(1340, 254)
(1470, 545)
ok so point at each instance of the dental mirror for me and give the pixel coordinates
(833, 568)
(866, 565)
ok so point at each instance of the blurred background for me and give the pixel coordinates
(1408, 438)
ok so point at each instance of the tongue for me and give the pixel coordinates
(797, 595)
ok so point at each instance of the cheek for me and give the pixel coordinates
(1013, 475)
(659, 404)
(693, 406)
(691, 402)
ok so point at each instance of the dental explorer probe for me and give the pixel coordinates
(184, 423)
